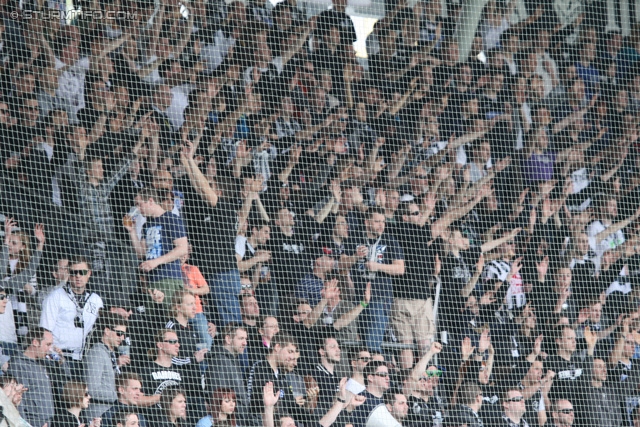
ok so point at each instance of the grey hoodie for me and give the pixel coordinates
(37, 402)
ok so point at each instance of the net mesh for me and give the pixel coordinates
(297, 213)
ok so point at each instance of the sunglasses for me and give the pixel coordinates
(365, 359)
(414, 213)
(431, 374)
(3, 297)
(171, 341)
(381, 374)
(119, 334)
(78, 272)
(516, 399)
(86, 394)
(566, 411)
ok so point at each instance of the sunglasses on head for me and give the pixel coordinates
(78, 272)
(431, 374)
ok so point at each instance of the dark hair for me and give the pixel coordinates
(282, 339)
(231, 329)
(123, 379)
(110, 320)
(389, 396)
(217, 397)
(35, 333)
(354, 353)
(371, 368)
(121, 415)
(373, 211)
(468, 393)
(79, 259)
(148, 194)
(73, 392)
(167, 397)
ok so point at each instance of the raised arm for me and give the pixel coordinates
(196, 177)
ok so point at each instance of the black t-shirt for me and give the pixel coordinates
(455, 275)
(534, 405)
(213, 231)
(418, 262)
(424, 413)
(329, 385)
(290, 257)
(570, 377)
(187, 337)
(383, 250)
(156, 378)
(260, 374)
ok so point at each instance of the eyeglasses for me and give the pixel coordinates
(381, 374)
(365, 359)
(431, 374)
(3, 297)
(566, 411)
(173, 342)
(515, 399)
(78, 272)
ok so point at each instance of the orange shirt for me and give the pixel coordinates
(194, 279)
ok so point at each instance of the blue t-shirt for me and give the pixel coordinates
(159, 234)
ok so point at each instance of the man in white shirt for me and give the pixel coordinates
(70, 312)
(604, 234)
(392, 413)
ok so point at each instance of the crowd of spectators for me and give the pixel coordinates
(215, 214)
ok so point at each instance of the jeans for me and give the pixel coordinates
(201, 325)
(373, 322)
(226, 288)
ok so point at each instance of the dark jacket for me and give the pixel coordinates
(225, 371)
(461, 414)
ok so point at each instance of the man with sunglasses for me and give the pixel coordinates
(562, 413)
(71, 311)
(377, 379)
(102, 364)
(426, 407)
(358, 359)
(514, 408)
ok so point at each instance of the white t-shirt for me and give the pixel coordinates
(7, 325)
(58, 313)
(179, 103)
(381, 417)
(71, 83)
(612, 241)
